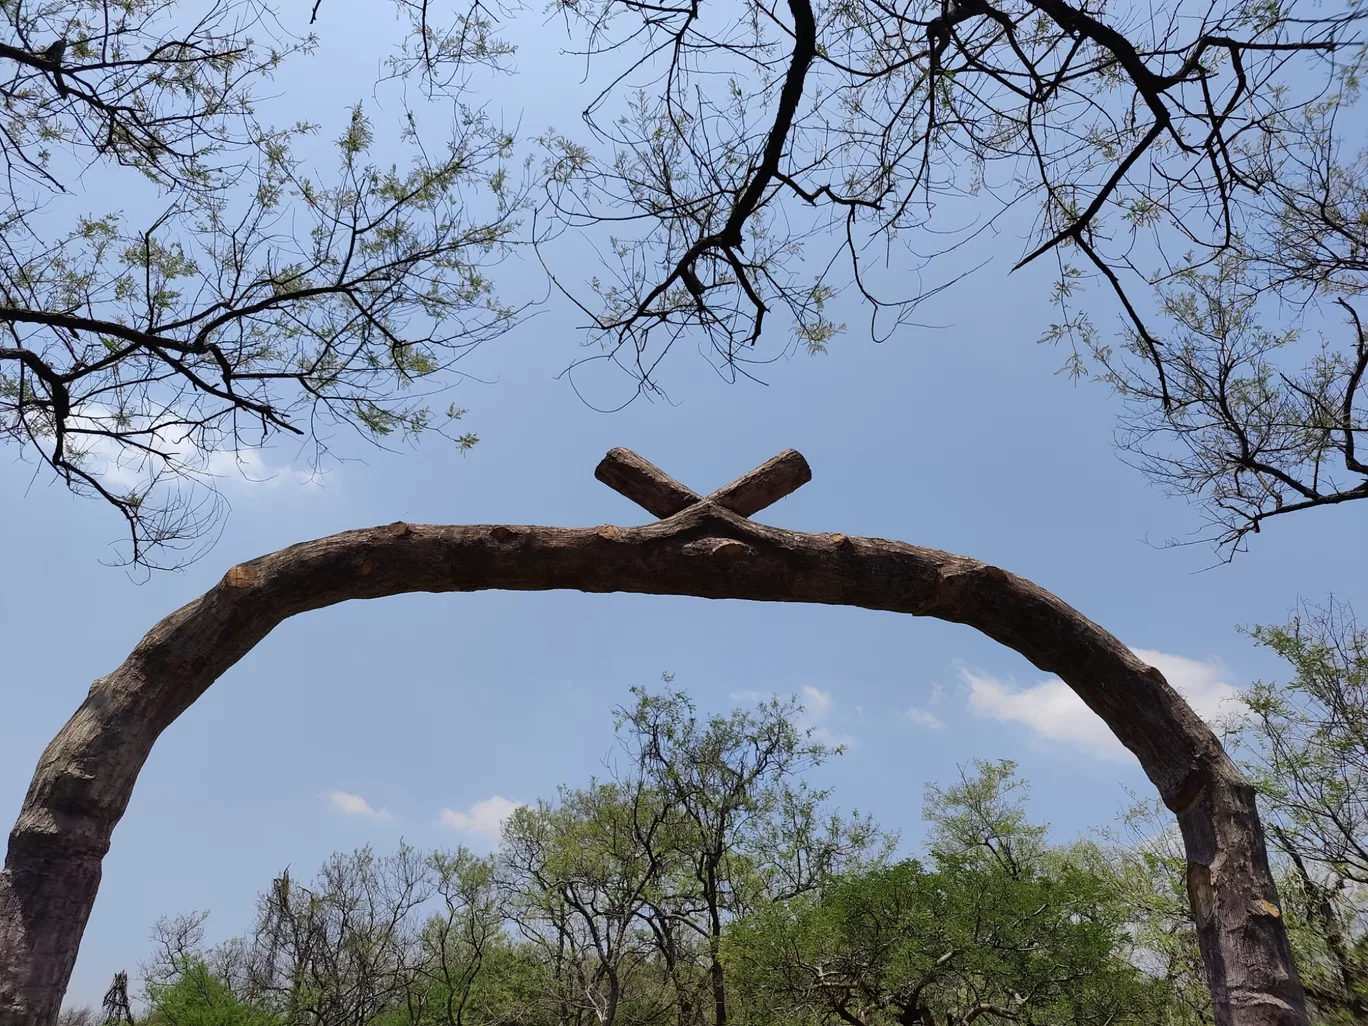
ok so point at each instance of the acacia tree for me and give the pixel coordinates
(1012, 930)
(745, 827)
(1253, 418)
(407, 939)
(578, 873)
(996, 927)
(628, 887)
(745, 160)
(260, 298)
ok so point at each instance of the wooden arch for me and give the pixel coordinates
(706, 547)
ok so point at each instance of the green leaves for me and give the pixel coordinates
(627, 887)
(996, 926)
(149, 356)
(705, 885)
(981, 820)
(198, 997)
(358, 137)
(1305, 743)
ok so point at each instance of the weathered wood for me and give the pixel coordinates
(644, 483)
(765, 485)
(661, 495)
(85, 777)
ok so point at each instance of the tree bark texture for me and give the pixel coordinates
(707, 549)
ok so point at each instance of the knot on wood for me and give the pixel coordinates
(1201, 888)
(662, 496)
(723, 550)
(1187, 793)
(241, 576)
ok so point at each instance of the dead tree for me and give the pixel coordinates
(116, 1007)
(706, 547)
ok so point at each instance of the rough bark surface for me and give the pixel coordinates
(85, 777)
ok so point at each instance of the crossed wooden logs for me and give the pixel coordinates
(662, 496)
(704, 546)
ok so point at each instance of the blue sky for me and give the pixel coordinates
(408, 717)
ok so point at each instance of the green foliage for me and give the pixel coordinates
(1147, 867)
(1306, 744)
(949, 944)
(996, 927)
(1256, 419)
(197, 997)
(739, 184)
(749, 822)
(145, 355)
(981, 820)
(705, 884)
(626, 887)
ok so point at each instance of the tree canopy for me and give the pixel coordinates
(262, 297)
(1303, 743)
(594, 908)
(1191, 169)
(605, 906)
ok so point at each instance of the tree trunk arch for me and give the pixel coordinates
(703, 547)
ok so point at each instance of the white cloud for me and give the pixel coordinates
(924, 718)
(1053, 711)
(831, 738)
(1050, 708)
(817, 706)
(354, 805)
(484, 819)
(1200, 683)
(816, 703)
(124, 469)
